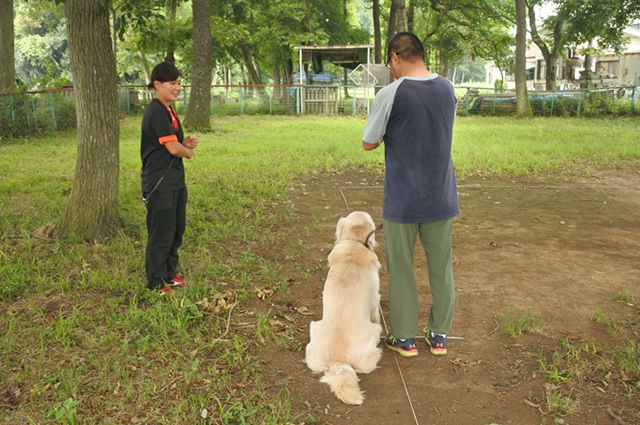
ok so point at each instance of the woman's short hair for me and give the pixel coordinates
(163, 72)
(406, 45)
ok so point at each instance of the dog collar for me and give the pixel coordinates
(365, 243)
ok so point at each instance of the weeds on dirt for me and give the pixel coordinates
(626, 296)
(528, 323)
(618, 322)
(573, 367)
(80, 338)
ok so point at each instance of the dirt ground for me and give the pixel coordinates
(559, 249)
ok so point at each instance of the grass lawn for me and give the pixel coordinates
(81, 342)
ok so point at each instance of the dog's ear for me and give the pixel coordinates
(339, 227)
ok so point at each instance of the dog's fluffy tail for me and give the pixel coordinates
(343, 381)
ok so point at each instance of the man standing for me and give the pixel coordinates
(414, 116)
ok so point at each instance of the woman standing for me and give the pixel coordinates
(162, 148)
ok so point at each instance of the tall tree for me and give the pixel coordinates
(411, 12)
(198, 114)
(245, 49)
(397, 17)
(450, 32)
(377, 37)
(171, 47)
(522, 95)
(7, 52)
(603, 21)
(550, 42)
(92, 209)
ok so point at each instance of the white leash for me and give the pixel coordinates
(404, 384)
(395, 357)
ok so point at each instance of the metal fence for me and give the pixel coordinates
(264, 99)
(36, 111)
(577, 102)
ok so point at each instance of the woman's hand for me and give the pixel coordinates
(190, 142)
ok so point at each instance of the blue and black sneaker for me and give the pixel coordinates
(404, 347)
(437, 342)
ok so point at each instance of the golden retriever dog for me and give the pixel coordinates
(345, 341)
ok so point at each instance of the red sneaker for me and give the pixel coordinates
(165, 291)
(177, 281)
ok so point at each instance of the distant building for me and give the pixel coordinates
(609, 69)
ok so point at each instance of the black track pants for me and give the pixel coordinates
(166, 221)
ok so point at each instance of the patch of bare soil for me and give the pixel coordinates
(560, 250)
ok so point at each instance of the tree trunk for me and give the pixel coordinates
(522, 96)
(377, 37)
(227, 80)
(277, 90)
(198, 110)
(444, 68)
(397, 17)
(92, 209)
(550, 54)
(114, 33)
(410, 15)
(308, 19)
(7, 52)
(252, 71)
(288, 70)
(144, 67)
(171, 48)
(214, 77)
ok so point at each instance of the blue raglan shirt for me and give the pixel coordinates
(414, 116)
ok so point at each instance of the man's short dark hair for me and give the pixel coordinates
(406, 45)
(163, 72)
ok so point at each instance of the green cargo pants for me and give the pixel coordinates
(399, 241)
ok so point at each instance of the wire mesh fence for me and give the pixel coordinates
(33, 112)
(36, 111)
(578, 102)
(263, 99)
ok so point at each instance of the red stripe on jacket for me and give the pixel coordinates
(167, 139)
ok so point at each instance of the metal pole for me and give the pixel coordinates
(53, 112)
(466, 102)
(579, 103)
(495, 99)
(326, 100)
(300, 81)
(355, 105)
(26, 111)
(212, 93)
(128, 98)
(368, 62)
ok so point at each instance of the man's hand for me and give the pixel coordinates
(370, 146)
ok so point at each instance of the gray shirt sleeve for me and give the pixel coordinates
(376, 125)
